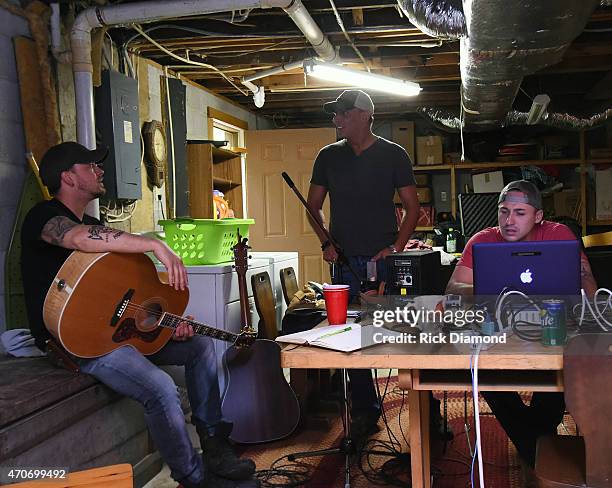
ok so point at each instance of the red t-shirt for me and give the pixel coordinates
(545, 231)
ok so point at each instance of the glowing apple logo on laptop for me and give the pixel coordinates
(526, 276)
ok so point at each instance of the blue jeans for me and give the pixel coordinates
(363, 395)
(359, 264)
(129, 373)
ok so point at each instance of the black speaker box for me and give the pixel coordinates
(413, 273)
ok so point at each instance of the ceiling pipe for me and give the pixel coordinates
(151, 11)
(274, 71)
(315, 36)
(258, 91)
(144, 11)
(320, 43)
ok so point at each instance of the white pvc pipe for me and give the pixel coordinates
(273, 71)
(321, 44)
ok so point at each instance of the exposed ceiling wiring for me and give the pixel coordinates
(348, 39)
(138, 29)
(204, 32)
(232, 55)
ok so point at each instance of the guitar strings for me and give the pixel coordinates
(139, 308)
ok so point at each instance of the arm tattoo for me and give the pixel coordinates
(585, 269)
(56, 229)
(103, 233)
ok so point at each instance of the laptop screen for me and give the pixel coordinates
(550, 268)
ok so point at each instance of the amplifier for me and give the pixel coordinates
(413, 273)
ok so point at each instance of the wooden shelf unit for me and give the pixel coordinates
(432, 167)
(582, 161)
(212, 168)
(601, 223)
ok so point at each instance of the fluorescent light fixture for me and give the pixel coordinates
(361, 79)
(537, 112)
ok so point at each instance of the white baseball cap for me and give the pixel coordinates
(349, 99)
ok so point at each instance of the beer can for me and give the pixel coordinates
(554, 332)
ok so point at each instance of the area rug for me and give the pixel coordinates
(501, 465)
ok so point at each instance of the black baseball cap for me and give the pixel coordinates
(349, 99)
(62, 157)
(532, 197)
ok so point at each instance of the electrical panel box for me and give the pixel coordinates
(118, 126)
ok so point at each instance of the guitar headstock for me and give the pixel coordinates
(246, 338)
(241, 255)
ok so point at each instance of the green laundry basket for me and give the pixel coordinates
(204, 241)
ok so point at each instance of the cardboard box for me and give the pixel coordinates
(491, 182)
(429, 150)
(421, 179)
(452, 158)
(603, 195)
(566, 203)
(424, 194)
(402, 133)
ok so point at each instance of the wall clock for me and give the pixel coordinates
(156, 151)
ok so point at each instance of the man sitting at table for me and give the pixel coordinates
(520, 218)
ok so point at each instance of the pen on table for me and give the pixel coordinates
(346, 329)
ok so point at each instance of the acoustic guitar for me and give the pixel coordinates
(258, 399)
(101, 301)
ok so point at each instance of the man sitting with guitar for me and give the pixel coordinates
(50, 232)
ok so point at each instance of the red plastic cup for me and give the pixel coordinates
(336, 303)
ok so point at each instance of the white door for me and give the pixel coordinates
(281, 223)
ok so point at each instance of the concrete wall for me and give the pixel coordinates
(12, 143)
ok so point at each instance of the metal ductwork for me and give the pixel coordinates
(436, 18)
(449, 121)
(505, 40)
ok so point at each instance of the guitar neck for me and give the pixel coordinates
(171, 321)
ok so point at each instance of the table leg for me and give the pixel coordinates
(298, 379)
(418, 414)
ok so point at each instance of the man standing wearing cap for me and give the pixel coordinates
(361, 173)
(520, 218)
(50, 232)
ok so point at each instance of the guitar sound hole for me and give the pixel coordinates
(148, 317)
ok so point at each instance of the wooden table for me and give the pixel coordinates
(515, 366)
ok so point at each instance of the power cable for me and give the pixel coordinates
(348, 39)
(138, 29)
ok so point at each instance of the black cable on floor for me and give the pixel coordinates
(388, 474)
(288, 475)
